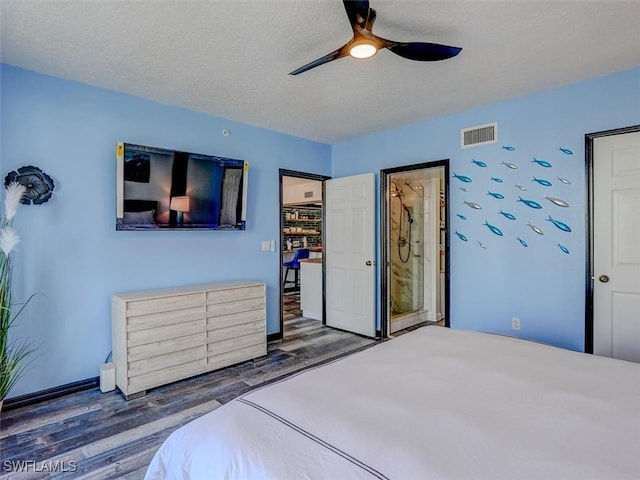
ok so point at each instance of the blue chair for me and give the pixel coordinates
(294, 264)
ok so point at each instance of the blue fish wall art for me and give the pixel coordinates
(542, 163)
(493, 229)
(520, 182)
(461, 236)
(561, 225)
(473, 205)
(462, 178)
(557, 201)
(529, 203)
(538, 230)
(541, 181)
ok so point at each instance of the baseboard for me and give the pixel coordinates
(50, 393)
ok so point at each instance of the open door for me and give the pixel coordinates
(350, 254)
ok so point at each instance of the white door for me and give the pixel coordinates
(616, 200)
(349, 249)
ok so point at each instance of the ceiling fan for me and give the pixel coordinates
(365, 43)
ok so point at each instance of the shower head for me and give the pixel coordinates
(406, 209)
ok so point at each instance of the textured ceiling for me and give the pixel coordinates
(232, 58)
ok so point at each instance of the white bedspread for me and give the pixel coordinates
(436, 403)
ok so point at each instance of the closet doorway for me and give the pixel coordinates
(415, 241)
(302, 220)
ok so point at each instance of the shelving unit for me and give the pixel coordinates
(302, 227)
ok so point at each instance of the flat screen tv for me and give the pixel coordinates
(160, 189)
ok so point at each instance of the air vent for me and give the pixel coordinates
(308, 194)
(480, 135)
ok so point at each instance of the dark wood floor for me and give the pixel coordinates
(91, 435)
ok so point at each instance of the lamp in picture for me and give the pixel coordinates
(180, 205)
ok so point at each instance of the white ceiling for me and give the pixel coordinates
(232, 58)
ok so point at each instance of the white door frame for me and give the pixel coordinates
(384, 239)
(590, 278)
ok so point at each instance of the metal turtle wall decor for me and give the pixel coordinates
(39, 186)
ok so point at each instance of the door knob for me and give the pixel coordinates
(603, 278)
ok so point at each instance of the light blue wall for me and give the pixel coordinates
(70, 252)
(72, 255)
(538, 283)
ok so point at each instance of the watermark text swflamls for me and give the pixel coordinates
(59, 466)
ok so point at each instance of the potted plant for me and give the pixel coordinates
(12, 355)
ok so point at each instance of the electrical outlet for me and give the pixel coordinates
(515, 323)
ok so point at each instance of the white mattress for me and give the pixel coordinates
(436, 403)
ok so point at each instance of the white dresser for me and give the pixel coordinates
(164, 335)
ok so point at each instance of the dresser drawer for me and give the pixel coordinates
(168, 332)
(164, 304)
(234, 343)
(245, 305)
(167, 375)
(162, 362)
(217, 335)
(162, 347)
(234, 294)
(160, 319)
(219, 360)
(233, 319)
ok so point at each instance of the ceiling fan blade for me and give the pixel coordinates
(357, 11)
(370, 20)
(424, 52)
(339, 53)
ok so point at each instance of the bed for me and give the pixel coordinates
(140, 213)
(436, 403)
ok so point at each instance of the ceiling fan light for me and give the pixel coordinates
(362, 50)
